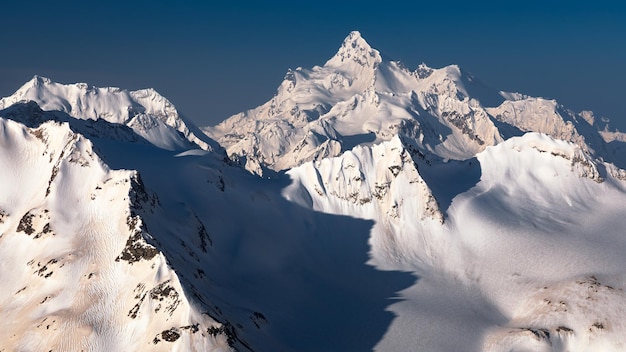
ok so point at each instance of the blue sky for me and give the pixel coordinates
(214, 59)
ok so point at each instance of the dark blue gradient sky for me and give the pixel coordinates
(216, 58)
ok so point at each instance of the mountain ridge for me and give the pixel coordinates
(145, 111)
(447, 112)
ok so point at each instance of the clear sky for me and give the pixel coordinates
(216, 58)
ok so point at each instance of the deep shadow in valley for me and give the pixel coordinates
(448, 179)
(285, 278)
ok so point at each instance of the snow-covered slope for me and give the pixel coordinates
(145, 111)
(517, 259)
(76, 270)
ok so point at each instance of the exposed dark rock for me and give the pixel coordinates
(462, 123)
(540, 334)
(26, 224)
(395, 169)
(42, 271)
(205, 239)
(423, 71)
(193, 328)
(134, 311)
(564, 329)
(55, 171)
(140, 199)
(136, 247)
(598, 326)
(258, 319)
(170, 335)
(164, 292)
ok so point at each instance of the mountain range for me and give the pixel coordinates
(366, 206)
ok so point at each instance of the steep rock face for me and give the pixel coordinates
(77, 271)
(355, 98)
(145, 111)
(380, 182)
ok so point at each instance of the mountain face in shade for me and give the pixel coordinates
(366, 206)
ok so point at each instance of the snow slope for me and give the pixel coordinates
(77, 273)
(529, 257)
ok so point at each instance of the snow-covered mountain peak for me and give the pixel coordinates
(358, 97)
(355, 52)
(145, 111)
(37, 80)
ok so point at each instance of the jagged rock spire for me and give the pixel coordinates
(355, 49)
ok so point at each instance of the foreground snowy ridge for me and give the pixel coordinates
(77, 273)
(417, 210)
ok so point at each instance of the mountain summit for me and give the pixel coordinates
(355, 52)
(357, 97)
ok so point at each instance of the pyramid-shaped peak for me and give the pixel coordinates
(355, 50)
(355, 39)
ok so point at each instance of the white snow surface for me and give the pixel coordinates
(527, 259)
(66, 221)
(417, 211)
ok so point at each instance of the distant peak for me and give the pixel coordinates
(354, 35)
(355, 49)
(355, 42)
(40, 80)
